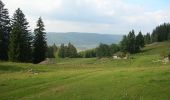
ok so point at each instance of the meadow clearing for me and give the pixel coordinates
(144, 77)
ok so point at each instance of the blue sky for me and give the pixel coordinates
(94, 16)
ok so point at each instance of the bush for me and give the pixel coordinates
(87, 54)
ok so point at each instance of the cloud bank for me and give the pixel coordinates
(99, 16)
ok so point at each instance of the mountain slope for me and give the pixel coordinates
(82, 40)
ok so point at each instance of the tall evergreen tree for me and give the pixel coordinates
(123, 44)
(140, 40)
(147, 38)
(61, 52)
(131, 42)
(40, 44)
(4, 31)
(161, 33)
(20, 39)
(72, 52)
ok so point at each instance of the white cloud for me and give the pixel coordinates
(103, 16)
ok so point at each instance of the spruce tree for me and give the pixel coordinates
(140, 40)
(61, 52)
(20, 38)
(147, 38)
(103, 51)
(4, 31)
(131, 42)
(72, 52)
(39, 43)
(123, 44)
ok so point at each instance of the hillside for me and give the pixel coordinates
(140, 78)
(82, 40)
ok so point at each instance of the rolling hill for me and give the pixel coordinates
(82, 40)
(140, 78)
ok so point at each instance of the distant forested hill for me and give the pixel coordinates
(82, 40)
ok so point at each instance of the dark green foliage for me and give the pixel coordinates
(161, 33)
(40, 44)
(123, 44)
(61, 52)
(20, 39)
(88, 53)
(67, 51)
(114, 48)
(4, 32)
(140, 40)
(147, 38)
(71, 51)
(103, 51)
(51, 50)
(130, 43)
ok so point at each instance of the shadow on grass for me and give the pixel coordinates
(10, 68)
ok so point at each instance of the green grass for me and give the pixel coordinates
(140, 78)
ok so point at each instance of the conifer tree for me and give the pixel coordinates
(61, 52)
(123, 44)
(103, 51)
(39, 43)
(147, 38)
(131, 42)
(140, 40)
(4, 31)
(72, 52)
(20, 39)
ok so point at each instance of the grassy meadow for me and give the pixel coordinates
(144, 77)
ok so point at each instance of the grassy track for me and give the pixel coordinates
(89, 79)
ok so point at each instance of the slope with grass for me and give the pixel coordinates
(140, 78)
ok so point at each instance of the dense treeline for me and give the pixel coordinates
(19, 45)
(4, 31)
(51, 51)
(147, 38)
(69, 51)
(87, 53)
(161, 33)
(16, 41)
(103, 50)
(132, 43)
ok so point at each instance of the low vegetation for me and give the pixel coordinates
(138, 68)
(144, 77)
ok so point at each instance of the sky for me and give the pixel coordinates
(94, 16)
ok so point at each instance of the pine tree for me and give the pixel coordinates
(72, 52)
(114, 48)
(61, 52)
(40, 44)
(4, 31)
(20, 39)
(123, 44)
(147, 38)
(161, 32)
(131, 42)
(140, 40)
(103, 51)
